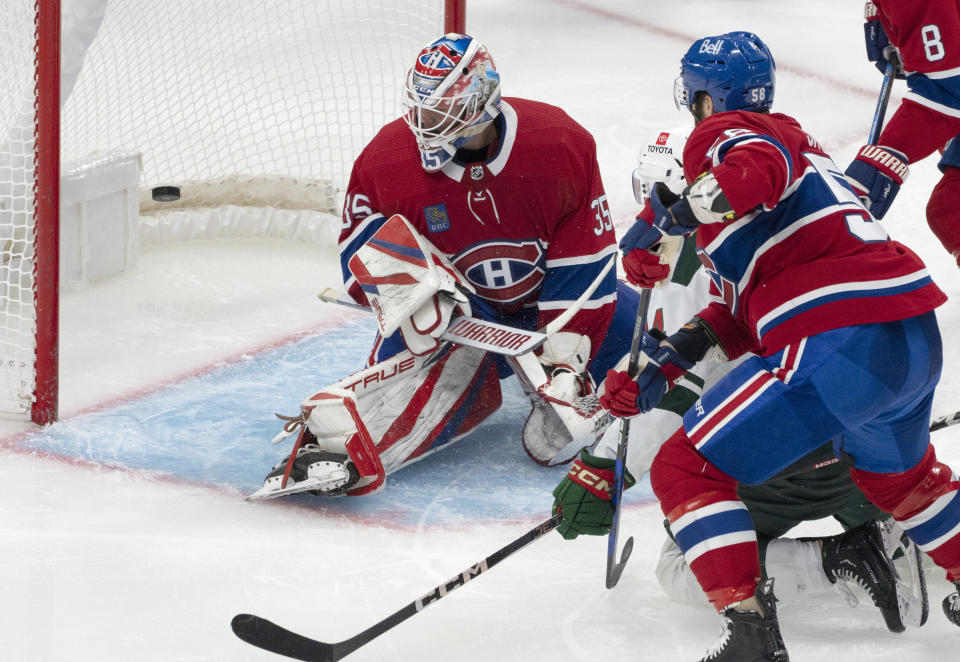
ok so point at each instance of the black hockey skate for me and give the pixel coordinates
(314, 471)
(951, 605)
(858, 558)
(749, 636)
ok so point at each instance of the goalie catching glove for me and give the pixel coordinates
(563, 357)
(583, 496)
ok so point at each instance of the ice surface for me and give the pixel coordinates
(123, 533)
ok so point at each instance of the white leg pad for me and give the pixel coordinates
(410, 404)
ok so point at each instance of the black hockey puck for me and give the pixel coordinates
(166, 193)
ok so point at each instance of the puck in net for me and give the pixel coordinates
(166, 193)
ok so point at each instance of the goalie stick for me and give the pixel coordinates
(464, 330)
(485, 335)
(271, 637)
(615, 567)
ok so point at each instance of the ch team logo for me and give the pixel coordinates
(504, 272)
(436, 62)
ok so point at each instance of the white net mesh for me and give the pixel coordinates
(260, 103)
(17, 315)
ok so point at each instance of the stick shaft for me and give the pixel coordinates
(882, 102)
(269, 636)
(615, 567)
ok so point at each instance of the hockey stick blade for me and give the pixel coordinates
(945, 421)
(269, 636)
(614, 570)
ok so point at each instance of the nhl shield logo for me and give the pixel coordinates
(476, 172)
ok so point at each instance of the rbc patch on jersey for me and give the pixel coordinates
(436, 217)
(505, 272)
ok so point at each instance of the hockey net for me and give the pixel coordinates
(248, 104)
(28, 199)
(262, 104)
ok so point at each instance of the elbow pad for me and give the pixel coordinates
(707, 201)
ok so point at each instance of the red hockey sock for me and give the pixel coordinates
(943, 211)
(709, 522)
(926, 502)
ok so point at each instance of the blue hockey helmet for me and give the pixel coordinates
(736, 69)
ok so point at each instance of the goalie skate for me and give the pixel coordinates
(314, 471)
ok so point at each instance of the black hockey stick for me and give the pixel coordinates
(945, 421)
(271, 637)
(615, 567)
(884, 99)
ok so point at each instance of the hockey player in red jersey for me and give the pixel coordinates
(922, 38)
(468, 204)
(815, 487)
(837, 320)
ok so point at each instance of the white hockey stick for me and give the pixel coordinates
(490, 336)
(465, 330)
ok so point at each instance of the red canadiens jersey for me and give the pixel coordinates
(927, 32)
(529, 228)
(802, 256)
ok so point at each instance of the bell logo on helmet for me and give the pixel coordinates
(711, 48)
(736, 69)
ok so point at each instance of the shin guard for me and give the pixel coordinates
(709, 522)
(925, 500)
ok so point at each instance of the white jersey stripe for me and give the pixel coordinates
(839, 288)
(718, 542)
(939, 107)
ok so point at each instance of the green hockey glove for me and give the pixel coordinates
(583, 496)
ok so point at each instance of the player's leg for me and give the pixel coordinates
(766, 414)
(894, 463)
(943, 207)
(777, 506)
(713, 530)
(385, 417)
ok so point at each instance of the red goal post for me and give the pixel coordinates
(257, 102)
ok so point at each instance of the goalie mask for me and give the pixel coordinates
(660, 160)
(452, 93)
(736, 69)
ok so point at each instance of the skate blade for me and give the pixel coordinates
(306, 485)
(912, 597)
